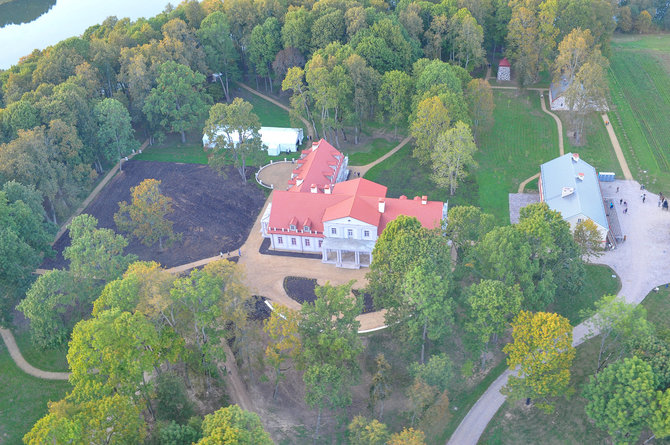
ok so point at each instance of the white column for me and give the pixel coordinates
(339, 257)
(358, 258)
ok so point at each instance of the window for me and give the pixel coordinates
(280, 240)
(320, 242)
(350, 233)
(333, 231)
(293, 242)
(292, 226)
(307, 242)
(366, 233)
(579, 220)
(306, 228)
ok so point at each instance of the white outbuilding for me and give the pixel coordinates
(275, 139)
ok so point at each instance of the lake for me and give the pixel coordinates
(30, 24)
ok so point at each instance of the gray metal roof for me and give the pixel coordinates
(586, 198)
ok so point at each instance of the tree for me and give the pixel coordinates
(466, 227)
(362, 431)
(655, 351)
(435, 36)
(146, 216)
(394, 97)
(115, 133)
(380, 387)
(220, 52)
(643, 22)
(172, 402)
(453, 153)
(296, 30)
(531, 37)
(331, 346)
(621, 399)
(588, 238)
(408, 436)
(624, 19)
(286, 59)
(437, 372)
(542, 350)
(285, 343)
(24, 240)
(233, 132)
(177, 103)
(431, 119)
(263, 47)
(233, 425)
(618, 324)
(468, 39)
(491, 305)
(113, 419)
(573, 52)
(300, 99)
(479, 96)
(328, 28)
(366, 82)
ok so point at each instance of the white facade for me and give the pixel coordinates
(294, 242)
(576, 219)
(350, 228)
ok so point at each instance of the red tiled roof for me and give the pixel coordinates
(360, 186)
(504, 62)
(358, 207)
(319, 165)
(287, 205)
(428, 214)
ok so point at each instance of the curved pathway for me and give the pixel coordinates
(523, 185)
(363, 169)
(21, 362)
(308, 125)
(559, 124)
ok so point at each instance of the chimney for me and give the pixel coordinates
(575, 157)
(327, 190)
(298, 182)
(580, 176)
(382, 205)
(424, 200)
(315, 145)
(313, 189)
(567, 191)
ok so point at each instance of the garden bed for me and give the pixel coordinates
(300, 289)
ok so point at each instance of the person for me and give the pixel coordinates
(644, 197)
(625, 204)
(611, 205)
(621, 201)
(239, 251)
(617, 189)
(625, 210)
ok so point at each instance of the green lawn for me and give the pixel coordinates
(364, 154)
(596, 148)
(47, 360)
(521, 138)
(23, 399)
(639, 78)
(514, 423)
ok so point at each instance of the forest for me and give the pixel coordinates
(71, 112)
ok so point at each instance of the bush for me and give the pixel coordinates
(171, 400)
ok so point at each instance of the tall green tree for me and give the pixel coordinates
(285, 343)
(264, 45)
(115, 133)
(453, 154)
(479, 96)
(430, 120)
(362, 431)
(221, 54)
(621, 399)
(394, 97)
(146, 216)
(233, 133)
(178, 103)
(466, 226)
(24, 241)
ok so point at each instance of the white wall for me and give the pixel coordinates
(357, 227)
(303, 243)
(581, 217)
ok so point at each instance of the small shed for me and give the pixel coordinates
(275, 139)
(504, 69)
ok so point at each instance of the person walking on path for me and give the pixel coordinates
(644, 197)
(621, 201)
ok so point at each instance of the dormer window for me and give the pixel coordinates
(292, 226)
(305, 228)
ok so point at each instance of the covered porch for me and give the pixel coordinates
(347, 252)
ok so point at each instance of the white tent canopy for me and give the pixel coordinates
(275, 139)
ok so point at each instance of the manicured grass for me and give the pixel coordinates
(23, 399)
(521, 138)
(640, 94)
(515, 423)
(598, 281)
(369, 152)
(44, 359)
(596, 148)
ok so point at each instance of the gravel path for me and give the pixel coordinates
(363, 169)
(21, 362)
(617, 148)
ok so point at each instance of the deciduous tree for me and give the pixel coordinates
(233, 133)
(453, 154)
(362, 431)
(408, 436)
(263, 47)
(220, 51)
(430, 120)
(394, 97)
(466, 226)
(146, 216)
(588, 238)
(479, 96)
(542, 350)
(231, 425)
(115, 133)
(285, 342)
(177, 103)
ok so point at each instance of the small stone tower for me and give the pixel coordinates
(503, 69)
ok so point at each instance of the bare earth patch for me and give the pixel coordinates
(213, 213)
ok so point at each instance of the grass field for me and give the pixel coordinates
(514, 423)
(23, 399)
(639, 78)
(363, 154)
(596, 148)
(522, 138)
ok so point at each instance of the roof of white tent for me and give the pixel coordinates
(271, 136)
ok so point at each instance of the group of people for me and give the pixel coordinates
(662, 201)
